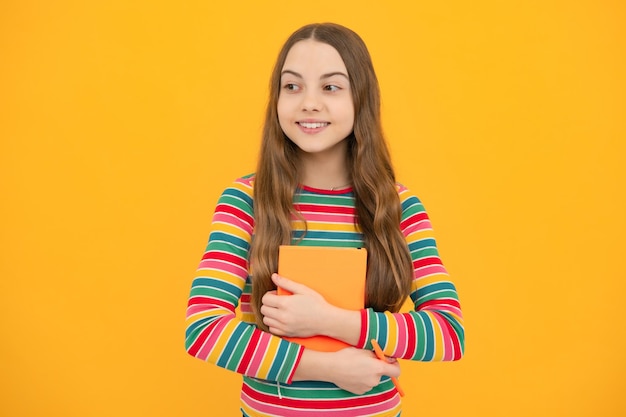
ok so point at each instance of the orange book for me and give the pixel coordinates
(338, 274)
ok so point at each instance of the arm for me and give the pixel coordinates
(213, 333)
(305, 313)
(354, 370)
(434, 330)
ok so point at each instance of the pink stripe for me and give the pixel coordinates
(247, 182)
(378, 409)
(448, 348)
(443, 304)
(271, 409)
(203, 308)
(454, 310)
(233, 221)
(418, 227)
(430, 270)
(209, 343)
(259, 353)
(401, 345)
(329, 218)
(222, 266)
(381, 407)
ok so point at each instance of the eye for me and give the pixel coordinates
(332, 88)
(291, 87)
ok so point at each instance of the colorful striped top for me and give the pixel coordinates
(433, 331)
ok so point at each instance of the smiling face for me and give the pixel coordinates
(315, 107)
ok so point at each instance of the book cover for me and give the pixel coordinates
(338, 274)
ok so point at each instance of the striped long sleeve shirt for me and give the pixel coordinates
(431, 331)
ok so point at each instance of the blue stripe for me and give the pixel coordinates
(458, 328)
(382, 330)
(430, 336)
(228, 238)
(314, 234)
(197, 324)
(234, 192)
(282, 353)
(428, 292)
(411, 201)
(230, 346)
(212, 283)
(422, 243)
(328, 243)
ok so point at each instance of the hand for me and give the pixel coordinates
(301, 314)
(358, 371)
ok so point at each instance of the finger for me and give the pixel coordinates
(270, 299)
(392, 369)
(266, 311)
(273, 325)
(289, 285)
(271, 312)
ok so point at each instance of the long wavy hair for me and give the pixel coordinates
(378, 209)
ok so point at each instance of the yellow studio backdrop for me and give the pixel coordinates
(122, 121)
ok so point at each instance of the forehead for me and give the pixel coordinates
(311, 56)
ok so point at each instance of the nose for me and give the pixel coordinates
(311, 100)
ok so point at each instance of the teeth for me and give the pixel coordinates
(315, 125)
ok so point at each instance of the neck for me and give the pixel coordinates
(325, 172)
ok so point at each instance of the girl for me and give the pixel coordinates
(324, 178)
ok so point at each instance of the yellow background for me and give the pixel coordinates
(122, 121)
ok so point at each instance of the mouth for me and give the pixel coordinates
(313, 125)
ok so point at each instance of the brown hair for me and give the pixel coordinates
(378, 208)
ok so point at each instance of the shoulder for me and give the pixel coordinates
(407, 197)
(414, 215)
(240, 190)
(244, 184)
(247, 181)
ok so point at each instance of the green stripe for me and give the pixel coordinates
(420, 349)
(424, 253)
(372, 319)
(313, 390)
(334, 201)
(290, 359)
(237, 354)
(411, 205)
(227, 247)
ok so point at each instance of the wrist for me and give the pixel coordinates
(316, 366)
(344, 325)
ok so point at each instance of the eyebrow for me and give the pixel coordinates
(323, 76)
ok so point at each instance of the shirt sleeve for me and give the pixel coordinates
(433, 331)
(213, 332)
